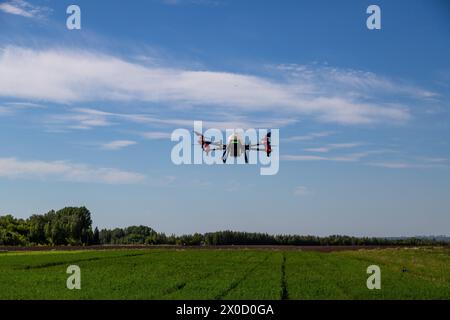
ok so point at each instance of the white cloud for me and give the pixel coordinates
(376, 158)
(355, 82)
(24, 9)
(407, 165)
(334, 146)
(79, 120)
(289, 157)
(65, 76)
(11, 108)
(25, 105)
(301, 191)
(118, 144)
(319, 149)
(12, 9)
(435, 160)
(66, 171)
(352, 157)
(392, 165)
(156, 135)
(87, 118)
(309, 136)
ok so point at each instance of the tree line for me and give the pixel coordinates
(68, 226)
(73, 226)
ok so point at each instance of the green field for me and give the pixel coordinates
(226, 274)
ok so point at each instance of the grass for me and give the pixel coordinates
(226, 274)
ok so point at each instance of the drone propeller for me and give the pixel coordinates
(201, 137)
(267, 143)
(205, 144)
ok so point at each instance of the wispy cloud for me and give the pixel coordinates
(309, 136)
(356, 82)
(118, 144)
(408, 165)
(301, 191)
(78, 120)
(372, 158)
(436, 160)
(156, 135)
(66, 171)
(55, 75)
(351, 157)
(11, 108)
(25, 105)
(393, 165)
(334, 146)
(87, 118)
(24, 9)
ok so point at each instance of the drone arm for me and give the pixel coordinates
(256, 149)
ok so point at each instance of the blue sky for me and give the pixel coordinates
(85, 115)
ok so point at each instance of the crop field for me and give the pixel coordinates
(226, 274)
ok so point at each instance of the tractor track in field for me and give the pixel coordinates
(284, 295)
(175, 288)
(180, 286)
(234, 284)
(183, 284)
(60, 263)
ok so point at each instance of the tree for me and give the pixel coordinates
(96, 236)
(77, 223)
(37, 229)
(13, 232)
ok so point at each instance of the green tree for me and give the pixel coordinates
(96, 236)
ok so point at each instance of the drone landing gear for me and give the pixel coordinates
(224, 156)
